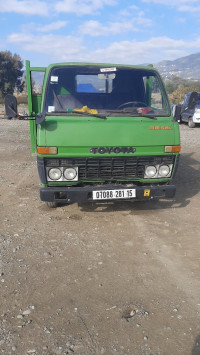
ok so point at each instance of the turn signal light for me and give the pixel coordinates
(47, 150)
(172, 148)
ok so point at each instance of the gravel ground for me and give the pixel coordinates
(109, 278)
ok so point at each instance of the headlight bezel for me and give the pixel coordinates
(158, 167)
(62, 169)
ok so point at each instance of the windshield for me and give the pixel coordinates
(115, 91)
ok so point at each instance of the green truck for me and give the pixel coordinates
(101, 132)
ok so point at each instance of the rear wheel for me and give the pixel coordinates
(51, 204)
(191, 124)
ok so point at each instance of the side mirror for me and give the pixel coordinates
(192, 100)
(176, 110)
(10, 106)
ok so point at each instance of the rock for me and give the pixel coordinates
(27, 312)
(133, 312)
(46, 330)
(20, 316)
(45, 347)
(129, 312)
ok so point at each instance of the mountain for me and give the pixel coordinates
(186, 67)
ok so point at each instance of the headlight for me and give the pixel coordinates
(61, 173)
(70, 173)
(55, 174)
(150, 171)
(164, 170)
(158, 171)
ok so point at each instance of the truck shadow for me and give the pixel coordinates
(196, 347)
(187, 181)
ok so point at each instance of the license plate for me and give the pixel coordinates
(113, 194)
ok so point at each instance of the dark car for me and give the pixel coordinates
(191, 113)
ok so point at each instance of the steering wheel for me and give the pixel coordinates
(133, 103)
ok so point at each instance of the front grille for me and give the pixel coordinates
(110, 168)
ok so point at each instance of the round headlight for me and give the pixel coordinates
(164, 170)
(150, 171)
(54, 174)
(70, 173)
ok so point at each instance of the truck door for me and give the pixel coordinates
(34, 83)
(184, 108)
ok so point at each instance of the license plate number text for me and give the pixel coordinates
(114, 194)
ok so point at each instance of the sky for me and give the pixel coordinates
(104, 31)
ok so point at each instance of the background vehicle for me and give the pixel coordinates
(190, 114)
(101, 132)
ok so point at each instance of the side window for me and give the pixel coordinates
(186, 100)
(37, 78)
(153, 92)
(198, 99)
(156, 97)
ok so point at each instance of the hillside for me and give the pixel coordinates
(186, 67)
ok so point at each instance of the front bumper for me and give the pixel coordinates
(74, 194)
(196, 117)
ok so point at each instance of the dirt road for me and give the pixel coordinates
(114, 278)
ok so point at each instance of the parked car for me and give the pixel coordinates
(190, 109)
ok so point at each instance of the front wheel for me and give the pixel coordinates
(51, 204)
(180, 121)
(191, 124)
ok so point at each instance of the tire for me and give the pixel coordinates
(51, 204)
(191, 124)
(180, 120)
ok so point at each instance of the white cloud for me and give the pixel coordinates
(69, 48)
(128, 11)
(174, 3)
(82, 7)
(52, 26)
(150, 51)
(56, 47)
(26, 7)
(192, 9)
(181, 5)
(95, 28)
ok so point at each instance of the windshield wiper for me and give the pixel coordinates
(129, 114)
(81, 113)
(89, 114)
(151, 117)
(104, 117)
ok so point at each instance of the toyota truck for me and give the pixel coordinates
(101, 132)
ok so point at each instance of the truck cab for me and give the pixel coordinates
(101, 132)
